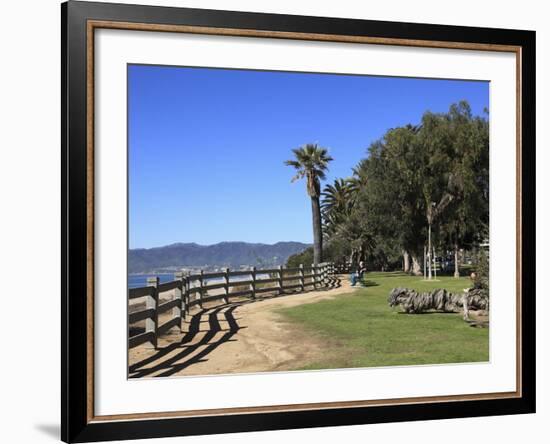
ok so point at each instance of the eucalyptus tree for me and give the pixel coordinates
(356, 232)
(358, 181)
(439, 182)
(468, 218)
(311, 163)
(423, 184)
(384, 205)
(453, 175)
(400, 187)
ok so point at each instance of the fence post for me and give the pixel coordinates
(177, 312)
(226, 279)
(314, 273)
(302, 278)
(281, 290)
(185, 295)
(152, 301)
(253, 285)
(201, 284)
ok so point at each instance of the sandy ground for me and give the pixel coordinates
(244, 336)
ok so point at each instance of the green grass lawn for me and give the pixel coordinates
(361, 330)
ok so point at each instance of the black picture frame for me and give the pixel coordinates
(77, 425)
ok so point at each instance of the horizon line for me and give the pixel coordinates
(220, 242)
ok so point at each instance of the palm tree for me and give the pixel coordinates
(311, 162)
(336, 204)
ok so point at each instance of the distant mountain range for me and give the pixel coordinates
(223, 254)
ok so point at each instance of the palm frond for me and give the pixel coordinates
(311, 161)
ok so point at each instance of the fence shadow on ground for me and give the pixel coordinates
(333, 282)
(191, 349)
(182, 353)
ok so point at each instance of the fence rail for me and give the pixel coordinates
(342, 268)
(191, 290)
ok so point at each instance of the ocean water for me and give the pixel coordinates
(140, 280)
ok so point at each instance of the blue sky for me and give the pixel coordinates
(207, 146)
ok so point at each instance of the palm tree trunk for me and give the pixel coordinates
(317, 233)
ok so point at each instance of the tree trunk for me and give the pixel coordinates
(317, 233)
(429, 251)
(351, 258)
(435, 264)
(406, 262)
(416, 269)
(424, 264)
(457, 273)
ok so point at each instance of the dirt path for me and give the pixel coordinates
(240, 337)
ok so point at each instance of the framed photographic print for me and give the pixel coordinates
(275, 221)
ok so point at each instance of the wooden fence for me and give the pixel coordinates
(342, 268)
(193, 290)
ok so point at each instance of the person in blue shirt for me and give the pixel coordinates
(358, 273)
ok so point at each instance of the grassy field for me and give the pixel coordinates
(361, 330)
